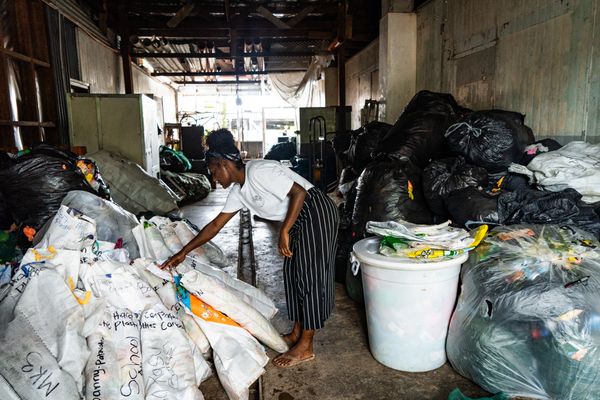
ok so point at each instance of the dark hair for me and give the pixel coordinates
(221, 144)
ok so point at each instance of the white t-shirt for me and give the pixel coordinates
(265, 190)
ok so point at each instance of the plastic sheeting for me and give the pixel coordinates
(132, 188)
(575, 166)
(527, 321)
(112, 221)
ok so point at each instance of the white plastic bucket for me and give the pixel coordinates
(408, 303)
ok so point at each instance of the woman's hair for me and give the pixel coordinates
(222, 145)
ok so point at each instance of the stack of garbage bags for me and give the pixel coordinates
(82, 318)
(34, 183)
(527, 322)
(388, 162)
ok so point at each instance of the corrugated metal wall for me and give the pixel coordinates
(102, 68)
(362, 80)
(539, 57)
(100, 65)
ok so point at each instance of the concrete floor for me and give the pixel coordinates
(344, 367)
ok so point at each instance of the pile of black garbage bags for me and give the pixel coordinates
(34, 183)
(442, 161)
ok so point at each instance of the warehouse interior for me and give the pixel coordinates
(459, 141)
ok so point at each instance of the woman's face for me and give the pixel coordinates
(219, 169)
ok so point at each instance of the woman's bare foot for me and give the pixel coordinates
(292, 338)
(294, 356)
(301, 352)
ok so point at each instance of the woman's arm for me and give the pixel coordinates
(207, 233)
(297, 195)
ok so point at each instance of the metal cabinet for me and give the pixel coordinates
(122, 124)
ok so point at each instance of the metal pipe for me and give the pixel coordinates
(247, 60)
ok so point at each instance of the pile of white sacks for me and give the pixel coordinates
(80, 320)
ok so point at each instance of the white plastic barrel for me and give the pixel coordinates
(408, 303)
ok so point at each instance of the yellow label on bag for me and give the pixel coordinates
(86, 297)
(410, 191)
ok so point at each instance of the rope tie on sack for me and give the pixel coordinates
(471, 130)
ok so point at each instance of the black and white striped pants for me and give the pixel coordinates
(309, 273)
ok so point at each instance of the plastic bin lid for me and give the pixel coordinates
(367, 251)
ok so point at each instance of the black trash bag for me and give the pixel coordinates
(52, 151)
(389, 190)
(490, 139)
(342, 254)
(364, 142)
(539, 147)
(507, 182)
(6, 160)
(470, 207)
(5, 218)
(417, 136)
(341, 143)
(347, 180)
(537, 207)
(442, 177)
(35, 186)
(426, 101)
(281, 151)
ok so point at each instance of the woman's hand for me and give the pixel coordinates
(284, 244)
(174, 260)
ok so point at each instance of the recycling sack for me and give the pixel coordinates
(132, 188)
(238, 357)
(573, 166)
(490, 139)
(207, 253)
(193, 186)
(70, 230)
(252, 295)
(442, 177)
(112, 221)
(527, 321)
(45, 357)
(167, 363)
(220, 297)
(114, 369)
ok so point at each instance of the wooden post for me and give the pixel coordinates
(125, 48)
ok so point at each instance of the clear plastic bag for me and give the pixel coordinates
(527, 321)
